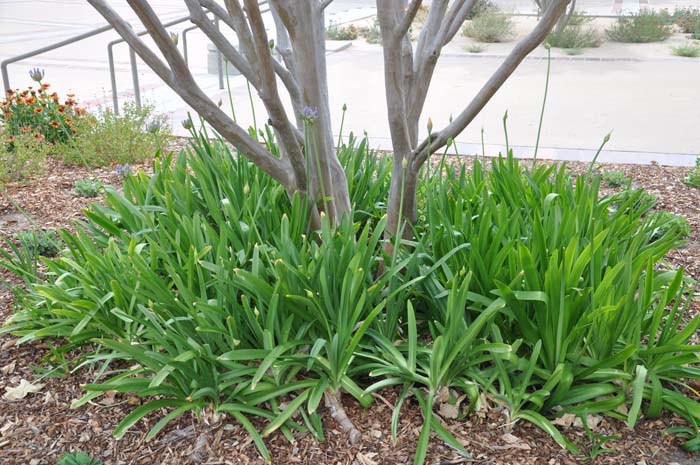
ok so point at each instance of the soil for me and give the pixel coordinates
(36, 430)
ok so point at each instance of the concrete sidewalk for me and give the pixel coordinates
(651, 106)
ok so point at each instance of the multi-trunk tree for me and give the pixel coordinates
(301, 73)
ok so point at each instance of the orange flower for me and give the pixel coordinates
(68, 121)
(30, 100)
(61, 110)
(73, 131)
(10, 92)
(26, 128)
(55, 124)
(45, 86)
(7, 113)
(38, 110)
(39, 137)
(54, 96)
(81, 111)
(11, 139)
(70, 102)
(70, 95)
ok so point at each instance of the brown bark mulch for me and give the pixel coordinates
(36, 430)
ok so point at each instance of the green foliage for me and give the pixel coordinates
(337, 32)
(490, 26)
(480, 7)
(41, 242)
(88, 187)
(372, 33)
(77, 458)
(667, 222)
(616, 179)
(37, 111)
(692, 179)
(689, 50)
(647, 26)
(206, 283)
(687, 19)
(475, 48)
(130, 137)
(24, 157)
(575, 35)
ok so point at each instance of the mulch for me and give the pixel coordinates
(36, 430)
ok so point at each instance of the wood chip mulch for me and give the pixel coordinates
(36, 430)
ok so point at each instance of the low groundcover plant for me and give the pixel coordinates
(523, 286)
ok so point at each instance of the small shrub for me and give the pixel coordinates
(572, 51)
(338, 32)
(575, 35)
(42, 242)
(475, 48)
(647, 26)
(491, 26)
(616, 178)
(692, 179)
(89, 187)
(372, 33)
(688, 20)
(35, 110)
(106, 138)
(480, 7)
(23, 155)
(689, 50)
(77, 458)
(667, 222)
(695, 36)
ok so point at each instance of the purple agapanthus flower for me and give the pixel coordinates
(123, 170)
(309, 114)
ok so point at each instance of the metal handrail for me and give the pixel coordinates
(110, 56)
(48, 48)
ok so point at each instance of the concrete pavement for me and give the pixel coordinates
(650, 105)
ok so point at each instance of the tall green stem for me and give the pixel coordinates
(544, 103)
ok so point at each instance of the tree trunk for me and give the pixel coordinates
(327, 182)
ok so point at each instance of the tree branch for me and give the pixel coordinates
(199, 18)
(408, 18)
(175, 78)
(270, 96)
(517, 55)
(325, 3)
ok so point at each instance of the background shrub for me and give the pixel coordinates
(687, 19)
(22, 156)
(337, 32)
(130, 137)
(689, 50)
(372, 33)
(35, 110)
(89, 187)
(40, 242)
(575, 35)
(647, 26)
(692, 179)
(490, 26)
(616, 179)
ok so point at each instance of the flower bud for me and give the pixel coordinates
(246, 189)
(36, 74)
(430, 125)
(404, 163)
(175, 37)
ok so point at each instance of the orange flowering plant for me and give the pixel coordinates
(40, 112)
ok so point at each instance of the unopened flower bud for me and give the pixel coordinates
(606, 139)
(246, 189)
(404, 163)
(345, 107)
(175, 37)
(36, 74)
(430, 125)
(187, 124)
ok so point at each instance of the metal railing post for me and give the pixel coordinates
(219, 59)
(113, 77)
(135, 77)
(48, 48)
